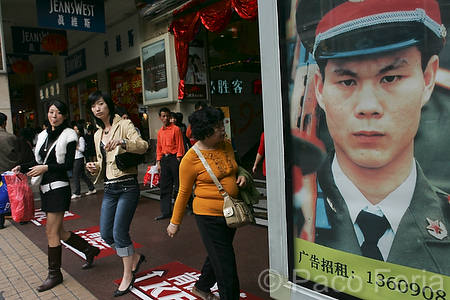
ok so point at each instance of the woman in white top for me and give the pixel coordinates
(78, 165)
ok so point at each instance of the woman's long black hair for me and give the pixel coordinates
(109, 102)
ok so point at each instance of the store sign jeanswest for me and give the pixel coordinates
(28, 40)
(86, 15)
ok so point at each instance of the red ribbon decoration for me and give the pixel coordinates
(214, 17)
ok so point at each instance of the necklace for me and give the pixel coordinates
(107, 131)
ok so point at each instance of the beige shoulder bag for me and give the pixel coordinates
(236, 211)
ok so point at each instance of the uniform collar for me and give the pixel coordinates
(393, 206)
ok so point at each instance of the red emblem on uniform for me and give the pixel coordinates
(436, 229)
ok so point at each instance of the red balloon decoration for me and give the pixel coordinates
(22, 67)
(55, 43)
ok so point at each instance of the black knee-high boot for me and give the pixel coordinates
(82, 245)
(54, 269)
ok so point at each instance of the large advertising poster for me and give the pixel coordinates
(366, 92)
(156, 70)
(195, 80)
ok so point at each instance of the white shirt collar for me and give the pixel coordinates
(393, 206)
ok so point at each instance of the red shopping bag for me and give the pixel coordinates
(20, 196)
(152, 176)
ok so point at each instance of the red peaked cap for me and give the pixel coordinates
(387, 15)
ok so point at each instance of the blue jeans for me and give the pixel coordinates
(119, 204)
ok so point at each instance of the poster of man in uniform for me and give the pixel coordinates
(367, 86)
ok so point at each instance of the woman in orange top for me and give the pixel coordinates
(220, 265)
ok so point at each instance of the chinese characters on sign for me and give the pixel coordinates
(224, 86)
(326, 266)
(118, 41)
(49, 91)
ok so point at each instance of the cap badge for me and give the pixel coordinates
(443, 30)
(436, 229)
(330, 203)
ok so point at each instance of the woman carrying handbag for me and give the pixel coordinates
(220, 264)
(121, 188)
(54, 156)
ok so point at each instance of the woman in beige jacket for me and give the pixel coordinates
(121, 188)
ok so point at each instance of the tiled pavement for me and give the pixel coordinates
(23, 267)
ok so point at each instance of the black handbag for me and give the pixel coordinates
(127, 160)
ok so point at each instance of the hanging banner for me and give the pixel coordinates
(367, 105)
(27, 40)
(86, 15)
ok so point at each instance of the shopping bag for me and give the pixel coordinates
(152, 176)
(147, 176)
(20, 196)
(155, 176)
(4, 199)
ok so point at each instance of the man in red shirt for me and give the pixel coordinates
(169, 151)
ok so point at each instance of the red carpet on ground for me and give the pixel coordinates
(171, 281)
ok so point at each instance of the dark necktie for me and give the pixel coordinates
(373, 227)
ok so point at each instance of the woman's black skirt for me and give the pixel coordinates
(56, 200)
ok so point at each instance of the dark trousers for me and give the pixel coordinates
(220, 265)
(169, 178)
(78, 172)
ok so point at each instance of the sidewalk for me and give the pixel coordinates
(23, 267)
